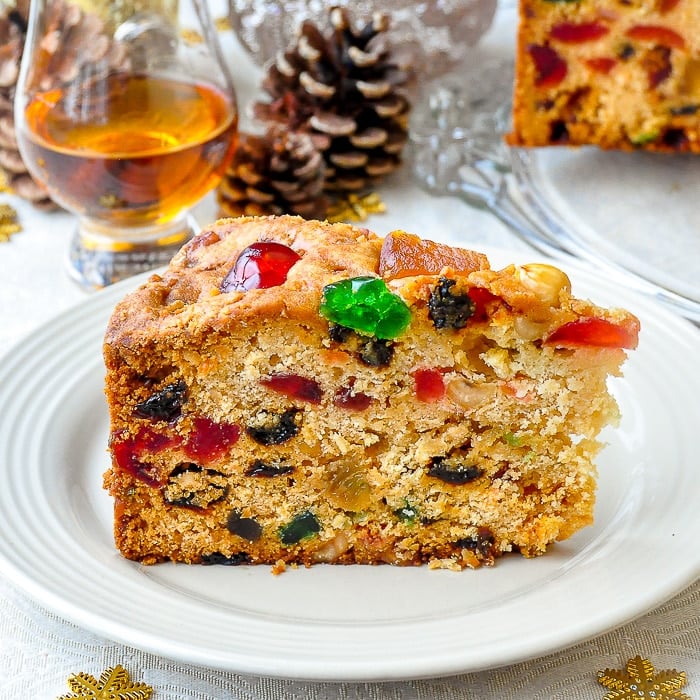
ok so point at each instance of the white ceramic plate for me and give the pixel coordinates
(638, 210)
(347, 623)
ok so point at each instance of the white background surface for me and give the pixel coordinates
(39, 650)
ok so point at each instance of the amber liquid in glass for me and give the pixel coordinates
(139, 151)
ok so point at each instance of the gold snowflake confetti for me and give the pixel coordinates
(8, 222)
(222, 24)
(191, 36)
(639, 682)
(355, 208)
(113, 684)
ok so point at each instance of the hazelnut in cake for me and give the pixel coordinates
(615, 74)
(296, 392)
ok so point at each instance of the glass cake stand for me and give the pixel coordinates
(633, 216)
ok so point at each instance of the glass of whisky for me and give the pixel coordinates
(126, 113)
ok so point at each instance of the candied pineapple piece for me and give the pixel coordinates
(405, 255)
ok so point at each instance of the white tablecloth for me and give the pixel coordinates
(39, 651)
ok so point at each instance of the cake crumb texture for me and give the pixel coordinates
(249, 426)
(619, 74)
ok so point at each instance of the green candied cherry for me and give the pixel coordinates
(408, 513)
(301, 527)
(366, 305)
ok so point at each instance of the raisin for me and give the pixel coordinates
(376, 352)
(338, 333)
(371, 351)
(482, 543)
(221, 559)
(247, 528)
(558, 131)
(191, 486)
(684, 110)
(165, 404)
(274, 429)
(453, 470)
(448, 310)
(626, 52)
(675, 138)
(261, 469)
(301, 527)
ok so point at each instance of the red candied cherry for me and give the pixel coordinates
(351, 400)
(578, 33)
(596, 332)
(429, 385)
(602, 64)
(656, 33)
(481, 298)
(294, 386)
(550, 67)
(259, 266)
(210, 440)
(129, 453)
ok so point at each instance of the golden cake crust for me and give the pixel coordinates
(187, 296)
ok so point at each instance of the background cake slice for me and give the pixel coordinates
(291, 391)
(619, 75)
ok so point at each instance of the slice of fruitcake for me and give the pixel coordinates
(620, 75)
(292, 391)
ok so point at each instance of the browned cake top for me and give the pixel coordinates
(195, 295)
(189, 293)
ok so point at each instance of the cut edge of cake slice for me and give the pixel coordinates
(298, 392)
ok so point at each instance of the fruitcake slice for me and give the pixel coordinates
(621, 75)
(290, 391)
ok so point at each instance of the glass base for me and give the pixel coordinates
(96, 260)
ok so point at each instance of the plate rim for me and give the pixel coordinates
(527, 168)
(364, 670)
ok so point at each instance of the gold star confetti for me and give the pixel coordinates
(8, 222)
(191, 36)
(222, 24)
(355, 208)
(113, 684)
(639, 682)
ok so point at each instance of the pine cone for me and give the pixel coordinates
(64, 65)
(344, 88)
(280, 172)
(13, 31)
